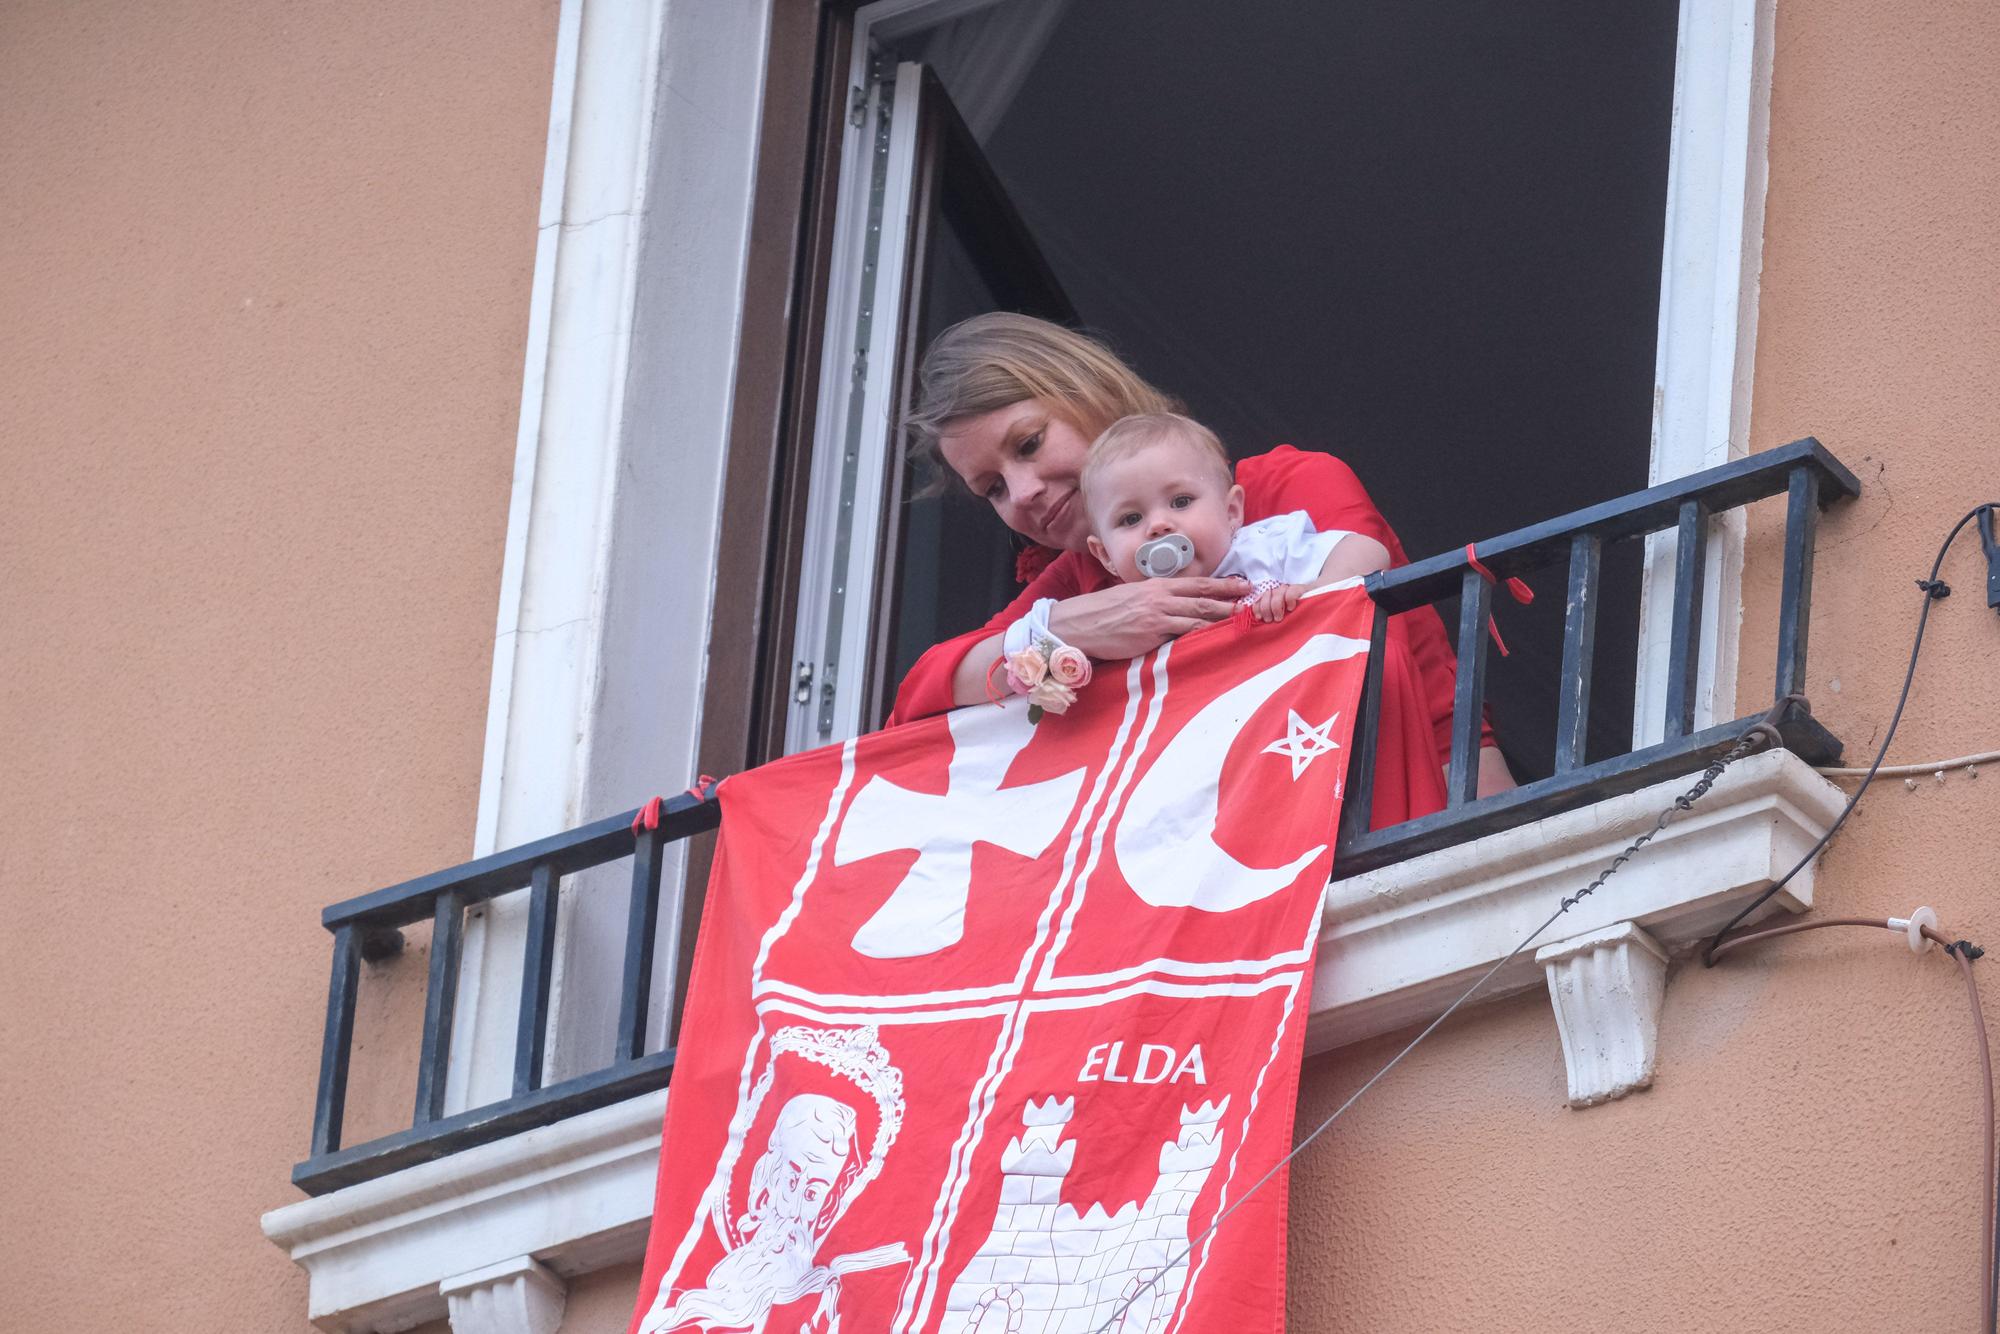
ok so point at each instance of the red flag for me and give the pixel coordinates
(990, 1021)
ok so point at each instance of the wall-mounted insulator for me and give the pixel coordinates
(1913, 927)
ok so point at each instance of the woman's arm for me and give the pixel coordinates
(971, 680)
(1121, 621)
(1354, 555)
(1111, 624)
(932, 685)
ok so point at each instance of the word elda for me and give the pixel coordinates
(1156, 1064)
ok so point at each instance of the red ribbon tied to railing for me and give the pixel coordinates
(1515, 585)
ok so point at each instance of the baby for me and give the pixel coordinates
(1159, 474)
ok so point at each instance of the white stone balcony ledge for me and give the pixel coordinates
(1401, 943)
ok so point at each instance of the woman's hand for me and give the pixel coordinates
(1119, 622)
(1129, 619)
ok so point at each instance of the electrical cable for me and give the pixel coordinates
(1913, 770)
(1989, 1204)
(1934, 590)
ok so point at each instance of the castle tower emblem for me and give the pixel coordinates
(1046, 1269)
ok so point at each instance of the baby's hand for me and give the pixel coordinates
(1274, 602)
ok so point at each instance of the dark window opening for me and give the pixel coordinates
(1426, 238)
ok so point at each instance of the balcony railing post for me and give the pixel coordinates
(1468, 706)
(1358, 798)
(440, 998)
(1579, 645)
(1795, 600)
(1684, 649)
(537, 968)
(330, 1106)
(642, 919)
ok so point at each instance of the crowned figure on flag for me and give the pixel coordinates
(812, 1166)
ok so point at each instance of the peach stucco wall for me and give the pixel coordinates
(265, 282)
(1809, 1159)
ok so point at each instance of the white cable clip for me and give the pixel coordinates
(1913, 927)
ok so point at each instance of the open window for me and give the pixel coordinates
(930, 238)
(1426, 240)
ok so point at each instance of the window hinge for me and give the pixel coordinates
(826, 697)
(802, 691)
(857, 105)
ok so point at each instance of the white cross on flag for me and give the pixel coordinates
(990, 1021)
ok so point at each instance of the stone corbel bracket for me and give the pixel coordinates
(1398, 945)
(1607, 987)
(517, 1296)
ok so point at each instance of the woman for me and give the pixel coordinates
(1008, 405)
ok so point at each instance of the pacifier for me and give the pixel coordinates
(1165, 556)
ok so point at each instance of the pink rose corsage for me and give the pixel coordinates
(1051, 696)
(1070, 667)
(1049, 674)
(1026, 669)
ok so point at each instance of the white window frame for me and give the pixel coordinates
(1705, 356)
(852, 452)
(607, 587)
(600, 649)
(610, 549)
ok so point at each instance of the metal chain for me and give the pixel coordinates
(1764, 730)
(1685, 801)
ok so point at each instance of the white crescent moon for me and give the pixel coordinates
(1165, 842)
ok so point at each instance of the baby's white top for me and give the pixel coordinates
(1283, 549)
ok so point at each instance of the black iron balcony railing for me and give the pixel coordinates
(370, 927)
(1804, 472)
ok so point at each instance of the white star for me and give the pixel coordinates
(1304, 743)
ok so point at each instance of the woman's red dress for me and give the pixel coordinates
(1418, 675)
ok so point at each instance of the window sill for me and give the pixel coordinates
(1399, 944)
(575, 1195)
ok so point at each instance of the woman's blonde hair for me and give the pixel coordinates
(999, 359)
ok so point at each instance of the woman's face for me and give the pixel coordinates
(1024, 460)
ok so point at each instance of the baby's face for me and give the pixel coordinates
(1161, 487)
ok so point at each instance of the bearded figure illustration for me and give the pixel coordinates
(812, 1167)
